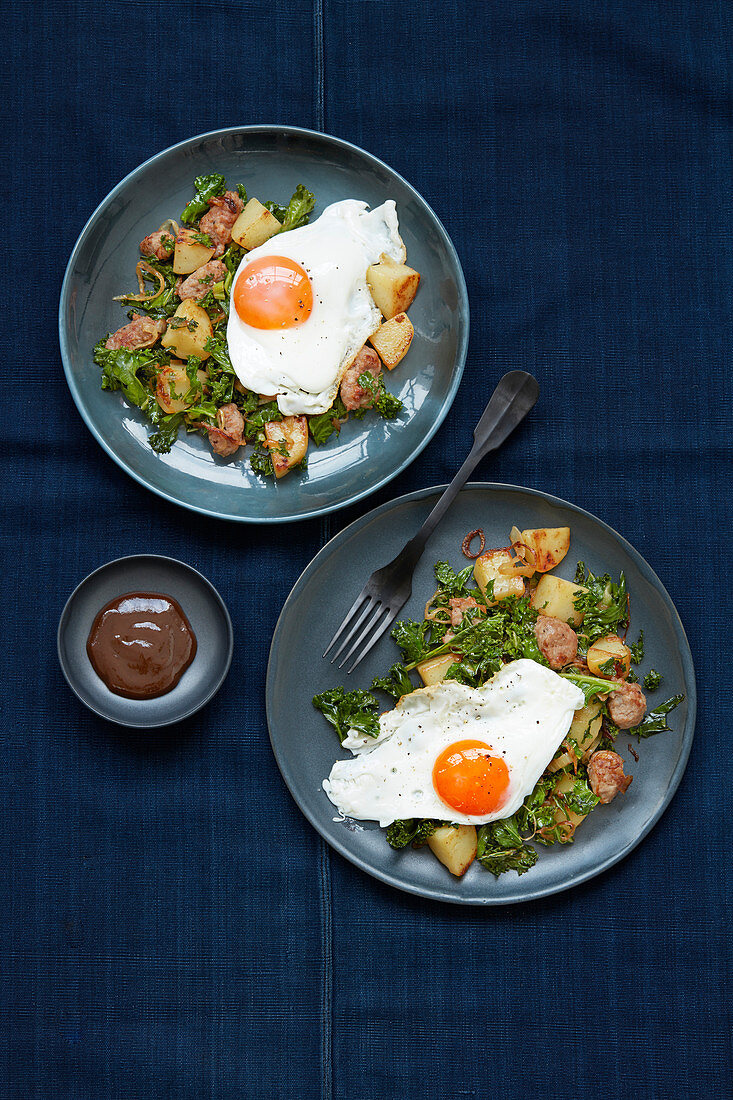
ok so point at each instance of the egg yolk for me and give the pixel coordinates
(273, 292)
(469, 779)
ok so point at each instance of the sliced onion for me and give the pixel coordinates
(170, 226)
(144, 295)
(466, 544)
(517, 567)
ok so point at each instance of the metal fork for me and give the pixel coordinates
(389, 588)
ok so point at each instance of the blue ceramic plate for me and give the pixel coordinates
(306, 749)
(270, 162)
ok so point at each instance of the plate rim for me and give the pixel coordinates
(218, 683)
(421, 442)
(528, 894)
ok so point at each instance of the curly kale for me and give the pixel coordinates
(396, 683)
(346, 710)
(605, 605)
(206, 187)
(411, 830)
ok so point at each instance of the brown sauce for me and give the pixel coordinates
(140, 644)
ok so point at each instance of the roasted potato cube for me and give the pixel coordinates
(392, 340)
(455, 846)
(610, 648)
(487, 569)
(548, 544)
(255, 225)
(173, 384)
(433, 670)
(288, 442)
(554, 597)
(190, 253)
(584, 730)
(393, 285)
(188, 330)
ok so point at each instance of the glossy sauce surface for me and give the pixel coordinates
(140, 644)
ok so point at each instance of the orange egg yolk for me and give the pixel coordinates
(273, 292)
(469, 779)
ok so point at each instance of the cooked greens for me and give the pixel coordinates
(484, 637)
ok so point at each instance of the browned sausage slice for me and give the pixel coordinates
(627, 705)
(353, 395)
(558, 642)
(217, 223)
(200, 282)
(606, 775)
(158, 245)
(228, 435)
(458, 606)
(142, 332)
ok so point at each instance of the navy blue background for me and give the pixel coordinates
(171, 926)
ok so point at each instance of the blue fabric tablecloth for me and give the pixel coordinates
(171, 925)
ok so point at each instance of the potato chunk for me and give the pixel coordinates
(487, 568)
(392, 340)
(565, 784)
(610, 648)
(584, 730)
(433, 670)
(188, 330)
(455, 846)
(288, 442)
(554, 597)
(393, 285)
(190, 252)
(548, 544)
(255, 225)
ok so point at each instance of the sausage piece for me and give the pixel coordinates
(217, 223)
(352, 394)
(627, 705)
(158, 245)
(558, 642)
(228, 435)
(142, 332)
(199, 283)
(458, 606)
(606, 775)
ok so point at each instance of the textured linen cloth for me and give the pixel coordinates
(171, 924)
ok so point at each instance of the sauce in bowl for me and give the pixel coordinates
(140, 644)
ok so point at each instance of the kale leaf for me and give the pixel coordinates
(386, 404)
(590, 685)
(299, 208)
(411, 638)
(163, 439)
(501, 848)
(452, 583)
(323, 425)
(120, 369)
(580, 798)
(206, 187)
(396, 683)
(410, 830)
(637, 649)
(605, 605)
(652, 680)
(261, 462)
(656, 720)
(346, 710)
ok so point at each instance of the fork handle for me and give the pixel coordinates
(514, 396)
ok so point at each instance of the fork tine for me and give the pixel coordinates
(345, 622)
(379, 611)
(354, 626)
(383, 626)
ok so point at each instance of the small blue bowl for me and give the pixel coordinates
(205, 611)
(270, 161)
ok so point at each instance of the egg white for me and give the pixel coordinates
(303, 365)
(523, 714)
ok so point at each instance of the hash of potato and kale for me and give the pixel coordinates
(507, 606)
(171, 358)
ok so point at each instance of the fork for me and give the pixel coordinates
(389, 588)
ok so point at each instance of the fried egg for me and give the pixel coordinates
(455, 753)
(300, 307)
